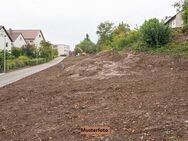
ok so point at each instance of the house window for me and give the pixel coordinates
(20, 38)
(39, 36)
(6, 44)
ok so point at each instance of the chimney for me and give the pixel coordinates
(10, 31)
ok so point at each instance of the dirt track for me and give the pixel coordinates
(141, 97)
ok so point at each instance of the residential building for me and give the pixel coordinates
(63, 50)
(176, 21)
(5, 39)
(18, 39)
(33, 37)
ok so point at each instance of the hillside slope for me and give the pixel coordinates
(140, 96)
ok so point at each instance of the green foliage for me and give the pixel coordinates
(36, 61)
(78, 50)
(172, 49)
(182, 5)
(23, 61)
(30, 51)
(179, 4)
(85, 46)
(132, 38)
(23, 58)
(175, 49)
(185, 15)
(27, 56)
(55, 52)
(155, 33)
(119, 35)
(8, 55)
(1, 61)
(46, 51)
(104, 31)
(16, 51)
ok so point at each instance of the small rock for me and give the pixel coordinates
(150, 66)
(3, 128)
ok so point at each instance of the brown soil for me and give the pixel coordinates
(141, 97)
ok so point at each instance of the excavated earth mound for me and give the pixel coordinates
(141, 97)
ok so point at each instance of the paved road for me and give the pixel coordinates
(14, 76)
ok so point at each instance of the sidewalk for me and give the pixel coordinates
(11, 77)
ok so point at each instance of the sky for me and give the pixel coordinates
(68, 21)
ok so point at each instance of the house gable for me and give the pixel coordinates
(5, 39)
(20, 41)
(31, 36)
(38, 39)
(175, 21)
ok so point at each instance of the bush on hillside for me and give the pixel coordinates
(86, 46)
(132, 38)
(155, 33)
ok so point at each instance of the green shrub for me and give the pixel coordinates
(155, 33)
(36, 61)
(24, 59)
(46, 51)
(55, 52)
(119, 36)
(29, 51)
(86, 46)
(1, 61)
(132, 38)
(16, 51)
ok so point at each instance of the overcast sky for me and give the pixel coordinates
(67, 21)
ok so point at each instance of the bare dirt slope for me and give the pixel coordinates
(141, 97)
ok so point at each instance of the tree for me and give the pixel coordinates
(46, 51)
(119, 35)
(182, 5)
(132, 38)
(155, 33)
(55, 52)
(86, 46)
(30, 51)
(179, 4)
(104, 31)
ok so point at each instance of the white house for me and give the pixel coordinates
(63, 49)
(176, 21)
(34, 37)
(18, 39)
(5, 39)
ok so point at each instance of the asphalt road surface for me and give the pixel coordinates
(14, 76)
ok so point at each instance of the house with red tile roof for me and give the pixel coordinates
(18, 39)
(33, 37)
